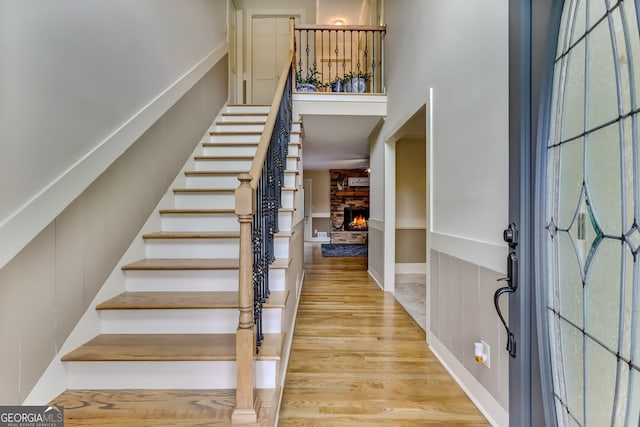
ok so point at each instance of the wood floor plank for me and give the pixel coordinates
(358, 359)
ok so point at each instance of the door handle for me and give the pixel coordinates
(511, 237)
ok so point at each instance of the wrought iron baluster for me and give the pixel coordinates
(268, 202)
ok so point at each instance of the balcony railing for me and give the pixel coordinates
(339, 58)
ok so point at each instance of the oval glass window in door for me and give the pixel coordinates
(591, 242)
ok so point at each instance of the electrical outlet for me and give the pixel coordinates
(487, 351)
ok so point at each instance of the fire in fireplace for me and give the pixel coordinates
(356, 219)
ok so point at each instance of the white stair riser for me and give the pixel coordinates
(294, 149)
(229, 150)
(221, 165)
(229, 181)
(296, 127)
(191, 248)
(178, 321)
(244, 109)
(295, 137)
(285, 220)
(193, 280)
(221, 137)
(167, 375)
(232, 127)
(281, 247)
(192, 222)
(249, 118)
(205, 248)
(212, 181)
(290, 179)
(287, 198)
(224, 200)
(182, 280)
(292, 163)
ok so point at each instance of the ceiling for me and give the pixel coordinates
(337, 141)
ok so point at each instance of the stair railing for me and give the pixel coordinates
(257, 202)
(328, 54)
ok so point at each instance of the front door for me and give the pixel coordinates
(588, 218)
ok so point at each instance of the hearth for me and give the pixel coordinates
(356, 219)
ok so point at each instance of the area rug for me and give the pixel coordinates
(343, 249)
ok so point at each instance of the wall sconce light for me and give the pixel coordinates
(339, 21)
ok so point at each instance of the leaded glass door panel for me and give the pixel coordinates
(591, 159)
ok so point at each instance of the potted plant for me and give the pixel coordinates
(308, 82)
(338, 84)
(324, 87)
(357, 81)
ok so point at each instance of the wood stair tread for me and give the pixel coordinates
(223, 157)
(183, 300)
(243, 113)
(192, 235)
(229, 144)
(223, 123)
(151, 264)
(136, 407)
(204, 190)
(248, 132)
(249, 105)
(196, 211)
(214, 173)
(168, 347)
(183, 264)
(208, 211)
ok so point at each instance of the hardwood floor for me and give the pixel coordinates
(358, 359)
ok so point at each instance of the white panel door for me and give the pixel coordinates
(270, 46)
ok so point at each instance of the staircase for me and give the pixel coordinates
(170, 337)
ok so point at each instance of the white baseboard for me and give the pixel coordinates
(411, 268)
(480, 396)
(375, 279)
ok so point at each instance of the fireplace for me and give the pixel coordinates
(356, 219)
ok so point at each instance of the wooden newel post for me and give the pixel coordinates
(246, 410)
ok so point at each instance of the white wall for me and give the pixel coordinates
(80, 82)
(460, 49)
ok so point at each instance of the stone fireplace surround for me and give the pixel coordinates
(343, 196)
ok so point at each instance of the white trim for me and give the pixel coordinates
(485, 254)
(321, 215)
(372, 274)
(319, 103)
(376, 224)
(389, 216)
(411, 268)
(480, 396)
(429, 203)
(23, 225)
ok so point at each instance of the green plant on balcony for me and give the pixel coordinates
(307, 82)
